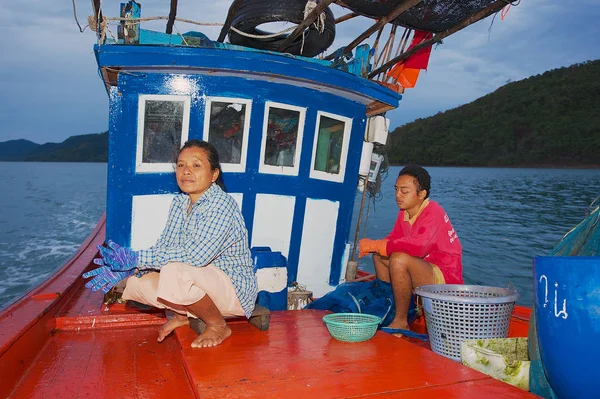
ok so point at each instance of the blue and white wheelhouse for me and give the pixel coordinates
(289, 131)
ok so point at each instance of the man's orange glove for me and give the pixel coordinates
(366, 245)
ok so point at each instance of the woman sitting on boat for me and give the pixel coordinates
(201, 265)
(423, 248)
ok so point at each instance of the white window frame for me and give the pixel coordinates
(230, 167)
(141, 167)
(282, 170)
(317, 174)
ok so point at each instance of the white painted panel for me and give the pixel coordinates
(273, 215)
(318, 234)
(271, 279)
(148, 218)
(238, 197)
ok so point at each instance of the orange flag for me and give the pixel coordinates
(407, 72)
(407, 77)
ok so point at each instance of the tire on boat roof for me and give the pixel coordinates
(252, 13)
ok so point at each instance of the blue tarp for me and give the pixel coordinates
(582, 240)
(371, 297)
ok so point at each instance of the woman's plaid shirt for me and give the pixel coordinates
(212, 233)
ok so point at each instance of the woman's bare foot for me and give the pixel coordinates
(177, 320)
(213, 335)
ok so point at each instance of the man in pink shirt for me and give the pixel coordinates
(423, 248)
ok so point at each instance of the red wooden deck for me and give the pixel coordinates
(296, 357)
(61, 342)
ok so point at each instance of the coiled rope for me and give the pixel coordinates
(92, 23)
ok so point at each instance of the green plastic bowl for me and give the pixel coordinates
(351, 327)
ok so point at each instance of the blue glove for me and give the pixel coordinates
(116, 257)
(105, 278)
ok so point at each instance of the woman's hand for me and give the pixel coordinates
(117, 258)
(105, 278)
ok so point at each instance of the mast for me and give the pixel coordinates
(172, 15)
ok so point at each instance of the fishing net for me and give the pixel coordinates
(582, 240)
(429, 15)
(440, 15)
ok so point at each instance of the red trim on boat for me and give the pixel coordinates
(26, 324)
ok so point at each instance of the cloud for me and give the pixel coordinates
(51, 89)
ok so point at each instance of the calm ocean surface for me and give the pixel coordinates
(503, 217)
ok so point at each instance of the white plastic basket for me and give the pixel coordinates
(455, 312)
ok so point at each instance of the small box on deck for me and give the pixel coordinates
(505, 359)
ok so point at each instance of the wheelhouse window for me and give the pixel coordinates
(330, 148)
(282, 138)
(226, 126)
(163, 122)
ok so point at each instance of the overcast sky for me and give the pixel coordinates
(51, 89)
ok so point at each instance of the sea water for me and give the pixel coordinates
(503, 217)
(46, 211)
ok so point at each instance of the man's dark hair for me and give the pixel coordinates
(212, 155)
(421, 176)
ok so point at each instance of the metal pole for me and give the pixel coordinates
(352, 266)
(362, 205)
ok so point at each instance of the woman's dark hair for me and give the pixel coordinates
(211, 153)
(421, 176)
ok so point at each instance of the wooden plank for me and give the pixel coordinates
(97, 9)
(487, 388)
(346, 17)
(127, 363)
(172, 16)
(260, 318)
(376, 108)
(109, 321)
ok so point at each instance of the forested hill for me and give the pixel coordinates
(84, 148)
(551, 119)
